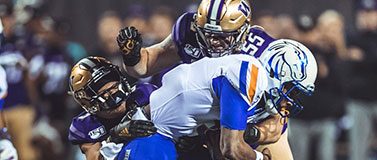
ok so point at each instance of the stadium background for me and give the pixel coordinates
(84, 14)
(337, 121)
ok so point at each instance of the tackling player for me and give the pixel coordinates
(220, 27)
(233, 89)
(105, 106)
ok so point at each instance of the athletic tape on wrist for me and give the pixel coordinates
(259, 155)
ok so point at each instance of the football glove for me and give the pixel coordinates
(128, 129)
(129, 42)
(212, 140)
(186, 144)
(252, 134)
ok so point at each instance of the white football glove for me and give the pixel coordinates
(110, 150)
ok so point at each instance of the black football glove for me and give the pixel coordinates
(252, 134)
(128, 129)
(186, 144)
(129, 42)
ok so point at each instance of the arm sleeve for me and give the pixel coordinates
(233, 108)
(180, 28)
(85, 129)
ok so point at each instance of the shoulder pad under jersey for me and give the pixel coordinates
(87, 128)
(141, 95)
(184, 37)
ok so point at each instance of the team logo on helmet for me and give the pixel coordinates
(296, 64)
(293, 71)
(244, 8)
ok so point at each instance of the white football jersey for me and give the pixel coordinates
(187, 97)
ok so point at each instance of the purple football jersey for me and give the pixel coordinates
(184, 36)
(256, 42)
(87, 128)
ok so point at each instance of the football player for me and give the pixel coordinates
(105, 95)
(232, 89)
(218, 28)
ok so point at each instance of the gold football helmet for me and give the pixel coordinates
(221, 26)
(88, 76)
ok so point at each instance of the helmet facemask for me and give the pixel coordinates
(217, 43)
(291, 94)
(94, 101)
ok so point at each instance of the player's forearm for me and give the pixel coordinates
(91, 150)
(140, 69)
(270, 129)
(233, 146)
(155, 59)
(239, 151)
(93, 156)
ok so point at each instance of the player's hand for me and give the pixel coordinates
(129, 42)
(266, 154)
(187, 143)
(130, 129)
(212, 140)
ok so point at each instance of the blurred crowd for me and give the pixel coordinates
(338, 122)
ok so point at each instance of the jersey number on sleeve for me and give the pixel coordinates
(252, 43)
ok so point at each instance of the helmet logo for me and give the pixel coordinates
(295, 59)
(192, 51)
(299, 71)
(97, 133)
(244, 8)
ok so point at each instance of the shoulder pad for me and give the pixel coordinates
(85, 128)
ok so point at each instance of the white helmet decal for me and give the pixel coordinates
(297, 63)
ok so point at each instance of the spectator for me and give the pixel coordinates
(318, 120)
(161, 22)
(136, 17)
(267, 20)
(287, 27)
(362, 78)
(108, 27)
(18, 107)
(49, 71)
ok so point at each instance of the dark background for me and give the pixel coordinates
(83, 14)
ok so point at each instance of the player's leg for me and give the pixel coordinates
(155, 147)
(20, 124)
(360, 131)
(327, 139)
(281, 149)
(299, 138)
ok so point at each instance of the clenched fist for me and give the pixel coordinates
(129, 42)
